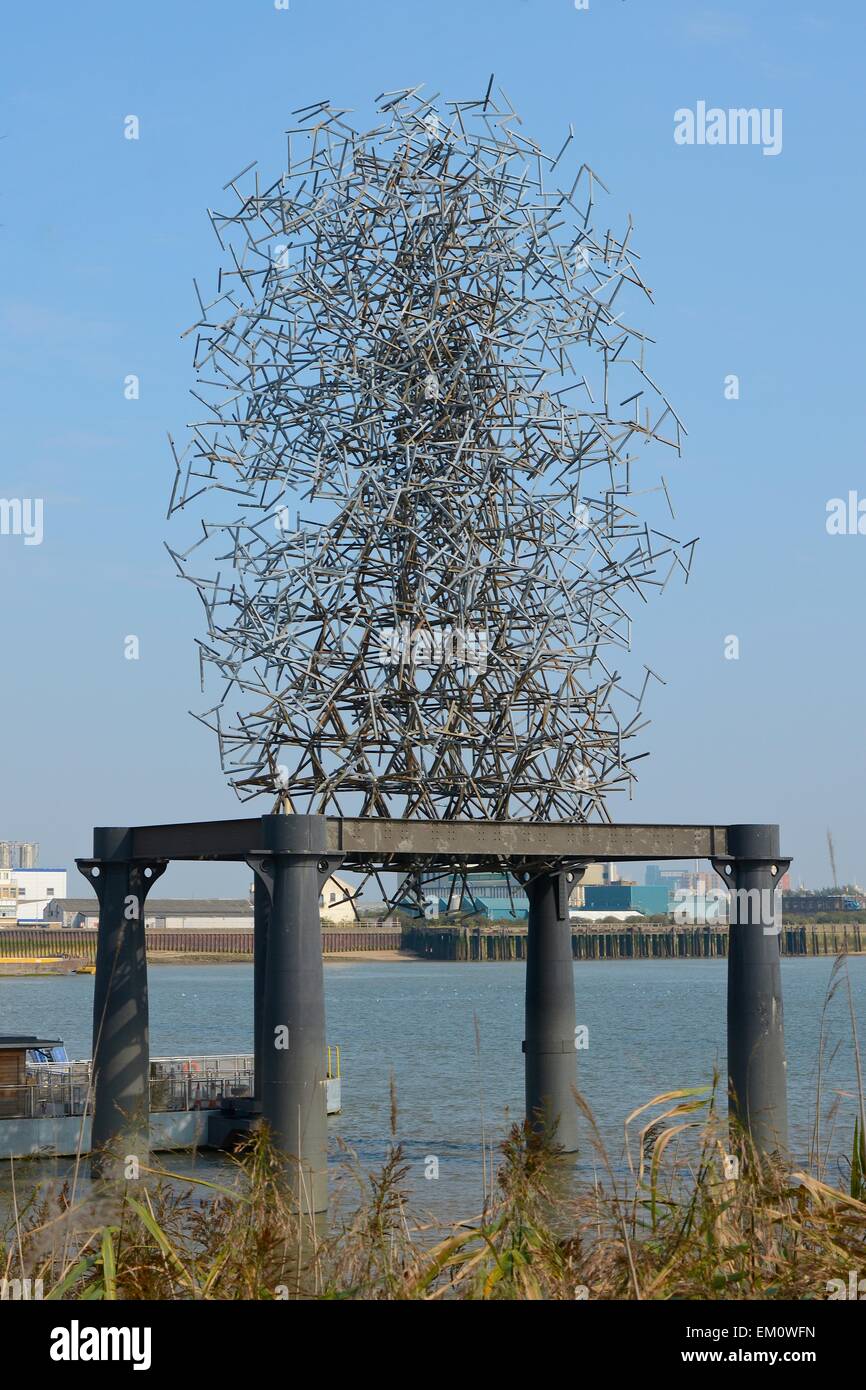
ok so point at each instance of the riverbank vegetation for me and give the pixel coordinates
(691, 1219)
(684, 1211)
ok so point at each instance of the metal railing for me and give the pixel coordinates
(195, 1091)
(56, 1089)
(221, 1064)
(227, 1064)
(57, 1096)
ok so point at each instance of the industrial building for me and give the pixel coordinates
(201, 914)
(495, 892)
(71, 912)
(499, 896)
(205, 914)
(492, 895)
(8, 899)
(496, 905)
(335, 906)
(800, 904)
(26, 890)
(652, 901)
(699, 881)
(26, 893)
(18, 854)
(666, 876)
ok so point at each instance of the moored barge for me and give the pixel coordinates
(195, 1101)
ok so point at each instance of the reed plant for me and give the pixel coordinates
(688, 1210)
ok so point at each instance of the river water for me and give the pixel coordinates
(450, 1035)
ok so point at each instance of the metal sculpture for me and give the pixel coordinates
(418, 340)
(424, 345)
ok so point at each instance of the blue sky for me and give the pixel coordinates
(755, 266)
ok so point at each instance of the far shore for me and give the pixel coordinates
(371, 955)
(223, 958)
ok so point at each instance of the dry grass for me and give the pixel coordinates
(677, 1226)
(674, 1223)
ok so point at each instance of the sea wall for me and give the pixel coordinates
(463, 943)
(81, 942)
(625, 942)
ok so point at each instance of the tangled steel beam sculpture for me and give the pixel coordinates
(421, 343)
(425, 347)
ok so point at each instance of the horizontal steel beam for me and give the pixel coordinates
(204, 839)
(371, 839)
(523, 839)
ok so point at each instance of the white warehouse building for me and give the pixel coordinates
(34, 890)
(203, 914)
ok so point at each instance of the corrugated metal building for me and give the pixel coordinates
(627, 897)
(499, 908)
(202, 913)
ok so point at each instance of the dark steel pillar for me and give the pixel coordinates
(121, 1040)
(293, 1042)
(261, 917)
(549, 1046)
(757, 1075)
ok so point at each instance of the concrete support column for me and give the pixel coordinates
(292, 1039)
(121, 1038)
(549, 1045)
(757, 1069)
